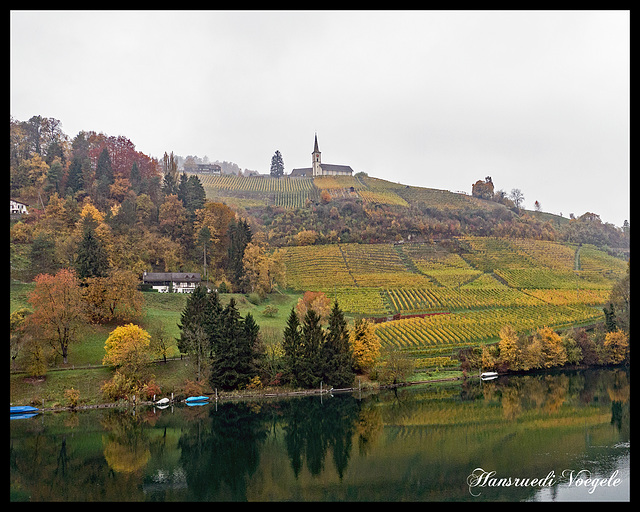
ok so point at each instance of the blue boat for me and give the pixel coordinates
(21, 409)
(197, 400)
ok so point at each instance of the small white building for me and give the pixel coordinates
(17, 208)
(176, 282)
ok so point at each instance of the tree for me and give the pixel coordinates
(92, 260)
(104, 177)
(337, 355)
(235, 350)
(277, 165)
(508, 345)
(128, 349)
(310, 373)
(194, 314)
(58, 309)
(114, 297)
(517, 197)
(292, 348)
(239, 237)
(365, 345)
(615, 347)
(317, 301)
(552, 351)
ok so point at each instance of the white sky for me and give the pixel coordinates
(538, 100)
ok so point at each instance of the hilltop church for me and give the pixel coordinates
(319, 169)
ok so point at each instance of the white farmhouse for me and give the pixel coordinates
(176, 282)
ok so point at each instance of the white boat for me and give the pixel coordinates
(162, 401)
(488, 375)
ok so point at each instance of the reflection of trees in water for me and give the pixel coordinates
(313, 427)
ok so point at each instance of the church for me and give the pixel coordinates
(319, 169)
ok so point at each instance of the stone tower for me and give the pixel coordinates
(315, 160)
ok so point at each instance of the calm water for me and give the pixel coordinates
(424, 443)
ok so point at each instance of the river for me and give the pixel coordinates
(542, 437)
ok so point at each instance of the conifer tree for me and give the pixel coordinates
(310, 373)
(292, 347)
(337, 355)
(92, 260)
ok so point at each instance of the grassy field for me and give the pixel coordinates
(164, 309)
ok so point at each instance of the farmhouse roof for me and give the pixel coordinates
(182, 277)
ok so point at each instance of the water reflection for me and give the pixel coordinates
(417, 443)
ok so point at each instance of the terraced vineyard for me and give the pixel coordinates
(295, 192)
(463, 298)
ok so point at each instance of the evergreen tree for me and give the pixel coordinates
(337, 356)
(92, 260)
(277, 165)
(43, 254)
(196, 194)
(292, 347)
(135, 179)
(193, 315)
(310, 373)
(234, 350)
(75, 179)
(104, 176)
(239, 237)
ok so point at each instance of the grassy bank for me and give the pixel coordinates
(160, 309)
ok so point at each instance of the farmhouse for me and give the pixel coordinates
(17, 208)
(319, 169)
(176, 282)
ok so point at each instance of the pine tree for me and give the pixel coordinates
(235, 350)
(292, 347)
(310, 373)
(193, 315)
(277, 165)
(239, 237)
(337, 356)
(92, 260)
(104, 176)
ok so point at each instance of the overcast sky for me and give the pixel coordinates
(538, 100)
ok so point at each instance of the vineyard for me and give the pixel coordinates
(297, 192)
(464, 295)
(459, 292)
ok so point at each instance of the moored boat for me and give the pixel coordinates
(488, 375)
(196, 399)
(23, 411)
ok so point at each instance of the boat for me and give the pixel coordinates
(162, 401)
(23, 409)
(488, 375)
(196, 400)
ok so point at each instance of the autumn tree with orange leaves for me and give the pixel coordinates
(58, 309)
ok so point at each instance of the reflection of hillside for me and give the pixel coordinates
(418, 444)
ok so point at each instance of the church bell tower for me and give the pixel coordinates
(315, 160)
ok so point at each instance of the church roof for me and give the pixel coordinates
(336, 168)
(308, 171)
(305, 171)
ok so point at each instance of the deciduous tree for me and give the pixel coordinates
(366, 346)
(58, 308)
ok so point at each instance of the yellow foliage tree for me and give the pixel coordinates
(615, 346)
(128, 349)
(552, 352)
(365, 345)
(508, 345)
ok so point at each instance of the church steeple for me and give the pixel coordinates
(315, 159)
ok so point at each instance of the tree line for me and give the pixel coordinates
(230, 353)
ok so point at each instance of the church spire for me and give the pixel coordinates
(316, 166)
